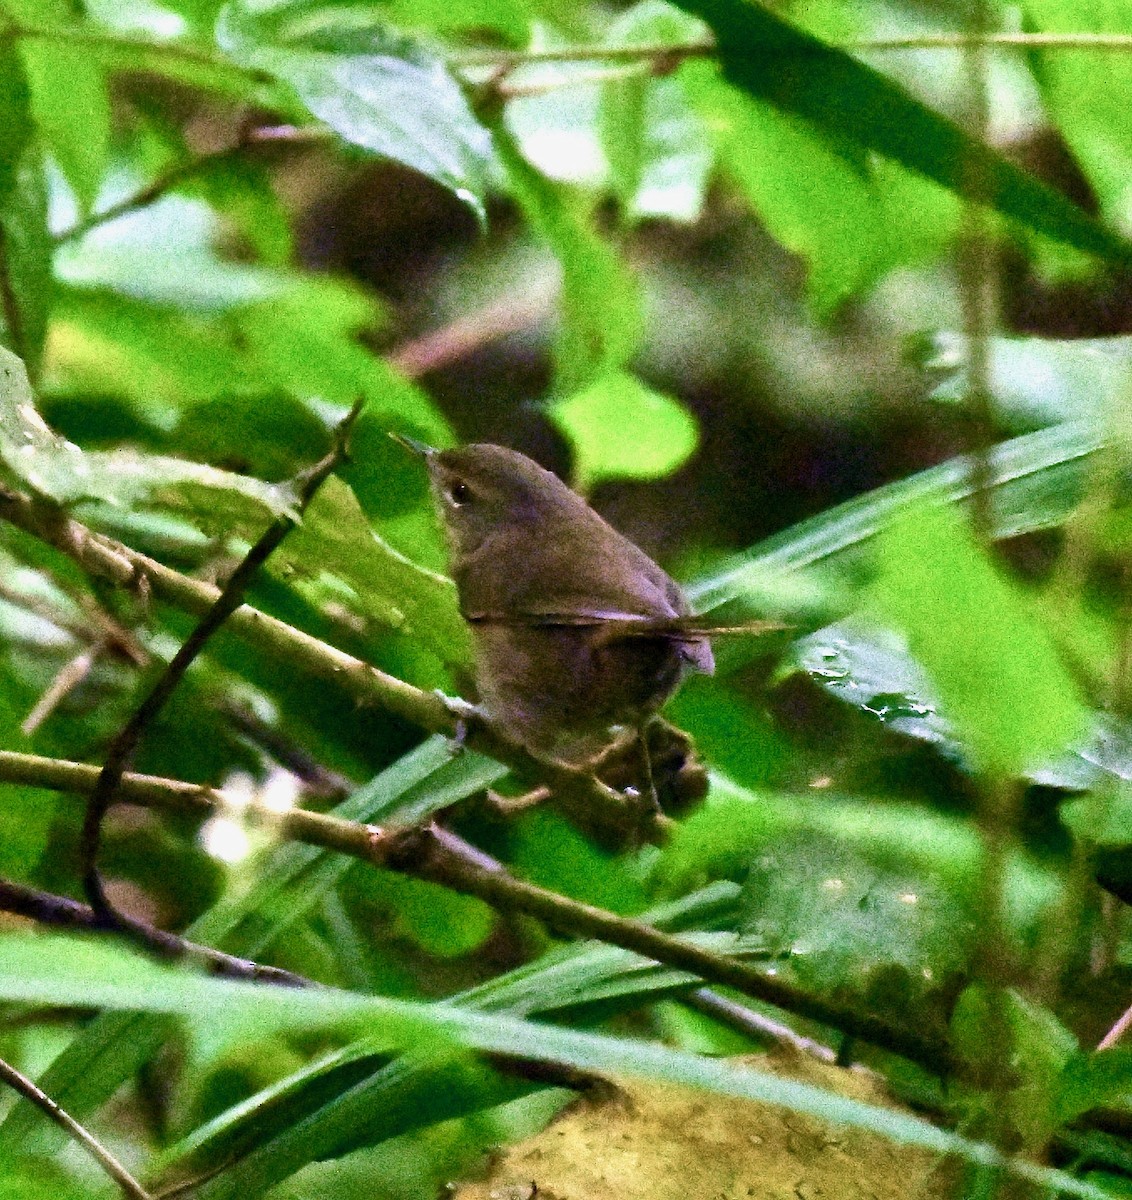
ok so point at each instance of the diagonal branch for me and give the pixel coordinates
(585, 799)
(125, 744)
(61, 912)
(441, 857)
(27, 1088)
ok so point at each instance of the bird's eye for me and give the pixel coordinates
(459, 493)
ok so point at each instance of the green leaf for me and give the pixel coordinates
(1103, 817)
(993, 662)
(775, 61)
(1038, 482)
(79, 972)
(511, 18)
(657, 146)
(602, 321)
(375, 89)
(813, 192)
(1099, 1079)
(1040, 1050)
(25, 244)
(1036, 381)
(620, 429)
(1086, 103)
(71, 107)
(293, 879)
(872, 670)
(335, 542)
(350, 1096)
(122, 479)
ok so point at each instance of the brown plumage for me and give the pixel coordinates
(576, 629)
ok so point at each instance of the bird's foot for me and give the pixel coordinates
(464, 713)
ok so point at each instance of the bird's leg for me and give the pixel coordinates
(650, 801)
(464, 713)
(510, 806)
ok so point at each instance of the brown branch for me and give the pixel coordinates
(586, 800)
(443, 858)
(124, 745)
(51, 1109)
(61, 912)
(249, 141)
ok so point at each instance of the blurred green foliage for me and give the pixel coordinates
(700, 259)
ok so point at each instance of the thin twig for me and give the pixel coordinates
(105, 39)
(453, 342)
(582, 796)
(124, 745)
(513, 59)
(1020, 41)
(754, 1024)
(441, 857)
(182, 173)
(61, 912)
(69, 676)
(51, 1109)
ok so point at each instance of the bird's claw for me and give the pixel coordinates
(464, 713)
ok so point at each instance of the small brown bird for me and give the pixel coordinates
(577, 631)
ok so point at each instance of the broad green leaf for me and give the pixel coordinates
(1086, 98)
(657, 146)
(736, 826)
(812, 190)
(122, 479)
(1100, 1079)
(995, 665)
(80, 972)
(71, 107)
(873, 670)
(1036, 381)
(297, 350)
(779, 63)
(601, 317)
(375, 89)
(1039, 480)
(1040, 1050)
(844, 920)
(335, 555)
(25, 245)
(621, 429)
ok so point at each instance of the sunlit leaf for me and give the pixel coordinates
(57, 468)
(777, 62)
(71, 107)
(621, 429)
(996, 667)
(814, 194)
(1093, 119)
(658, 148)
(602, 321)
(375, 89)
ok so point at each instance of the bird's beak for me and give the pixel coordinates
(413, 446)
